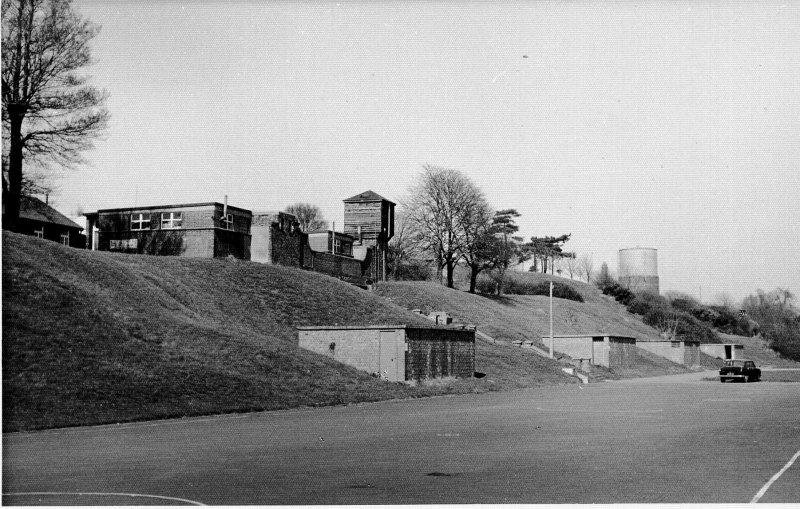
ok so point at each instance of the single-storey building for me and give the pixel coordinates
(396, 352)
(328, 241)
(724, 351)
(39, 219)
(206, 230)
(677, 351)
(600, 349)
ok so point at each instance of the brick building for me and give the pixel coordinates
(597, 349)
(679, 352)
(206, 230)
(39, 219)
(396, 352)
(277, 239)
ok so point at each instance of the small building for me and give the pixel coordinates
(725, 351)
(39, 219)
(328, 241)
(440, 317)
(205, 230)
(599, 349)
(677, 351)
(396, 352)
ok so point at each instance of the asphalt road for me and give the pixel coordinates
(661, 440)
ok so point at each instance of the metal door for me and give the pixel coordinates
(387, 355)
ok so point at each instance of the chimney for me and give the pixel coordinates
(333, 226)
(225, 208)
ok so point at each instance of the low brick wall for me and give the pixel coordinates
(335, 265)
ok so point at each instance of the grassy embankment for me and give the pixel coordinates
(91, 337)
(526, 317)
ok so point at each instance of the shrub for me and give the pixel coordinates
(524, 286)
(684, 304)
(485, 286)
(620, 293)
(411, 271)
(639, 307)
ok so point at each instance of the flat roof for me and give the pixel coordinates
(646, 340)
(178, 206)
(384, 327)
(590, 335)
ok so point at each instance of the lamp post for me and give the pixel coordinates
(551, 319)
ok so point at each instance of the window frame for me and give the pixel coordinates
(65, 238)
(226, 223)
(141, 222)
(172, 221)
(39, 234)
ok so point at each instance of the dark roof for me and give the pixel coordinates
(367, 196)
(178, 206)
(34, 209)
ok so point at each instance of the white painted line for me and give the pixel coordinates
(63, 493)
(774, 478)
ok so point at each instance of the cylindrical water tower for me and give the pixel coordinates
(638, 269)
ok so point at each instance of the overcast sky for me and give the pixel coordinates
(668, 125)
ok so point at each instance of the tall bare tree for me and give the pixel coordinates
(437, 205)
(404, 251)
(479, 248)
(309, 216)
(50, 113)
(586, 265)
(571, 264)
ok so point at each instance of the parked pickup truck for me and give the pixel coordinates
(739, 369)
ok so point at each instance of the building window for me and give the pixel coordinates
(337, 246)
(171, 220)
(140, 222)
(39, 233)
(226, 222)
(65, 238)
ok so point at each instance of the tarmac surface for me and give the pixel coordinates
(673, 439)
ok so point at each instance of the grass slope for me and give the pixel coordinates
(526, 317)
(756, 349)
(92, 337)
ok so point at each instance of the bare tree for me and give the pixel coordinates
(50, 114)
(586, 266)
(479, 245)
(570, 262)
(436, 206)
(404, 252)
(309, 216)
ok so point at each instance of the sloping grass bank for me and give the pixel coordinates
(91, 338)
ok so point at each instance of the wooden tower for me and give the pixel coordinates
(369, 218)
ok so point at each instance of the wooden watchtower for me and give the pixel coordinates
(369, 218)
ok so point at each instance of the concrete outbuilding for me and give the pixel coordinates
(679, 352)
(396, 352)
(597, 349)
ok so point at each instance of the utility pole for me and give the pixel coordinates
(551, 319)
